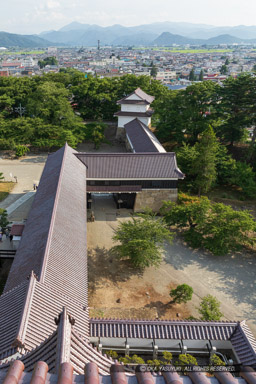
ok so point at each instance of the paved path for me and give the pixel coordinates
(28, 170)
(11, 208)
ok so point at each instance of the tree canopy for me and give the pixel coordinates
(214, 226)
(141, 240)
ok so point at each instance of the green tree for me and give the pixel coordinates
(3, 219)
(244, 177)
(204, 166)
(98, 136)
(1, 176)
(141, 240)
(182, 116)
(51, 60)
(182, 293)
(192, 75)
(21, 150)
(214, 226)
(227, 61)
(201, 75)
(224, 69)
(209, 309)
(153, 71)
(235, 108)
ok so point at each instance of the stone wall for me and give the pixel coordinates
(120, 134)
(153, 198)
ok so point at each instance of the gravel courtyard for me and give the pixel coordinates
(231, 278)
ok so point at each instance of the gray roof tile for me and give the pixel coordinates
(131, 165)
(141, 138)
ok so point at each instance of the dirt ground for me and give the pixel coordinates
(115, 288)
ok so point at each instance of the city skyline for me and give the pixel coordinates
(29, 17)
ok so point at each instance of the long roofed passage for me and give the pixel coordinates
(140, 137)
(133, 166)
(50, 266)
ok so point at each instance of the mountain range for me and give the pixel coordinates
(162, 33)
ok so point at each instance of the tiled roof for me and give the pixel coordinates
(131, 165)
(162, 329)
(109, 188)
(148, 113)
(11, 306)
(46, 254)
(141, 138)
(148, 99)
(63, 345)
(47, 244)
(239, 334)
(117, 375)
(244, 344)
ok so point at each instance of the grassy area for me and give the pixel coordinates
(21, 52)
(5, 189)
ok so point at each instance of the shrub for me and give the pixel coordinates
(21, 150)
(210, 308)
(182, 294)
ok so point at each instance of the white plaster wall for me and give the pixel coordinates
(122, 120)
(133, 108)
(145, 120)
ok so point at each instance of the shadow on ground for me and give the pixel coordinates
(236, 271)
(35, 159)
(160, 307)
(104, 265)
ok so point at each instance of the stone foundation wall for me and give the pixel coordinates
(153, 199)
(120, 134)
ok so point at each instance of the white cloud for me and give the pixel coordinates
(51, 4)
(34, 16)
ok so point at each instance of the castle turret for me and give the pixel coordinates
(134, 106)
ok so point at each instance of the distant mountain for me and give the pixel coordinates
(76, 34)
(162, 33)
(167, 38)
(23, 41)
(224, 39)
(74, 26)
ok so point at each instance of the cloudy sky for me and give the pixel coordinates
(35, 16)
